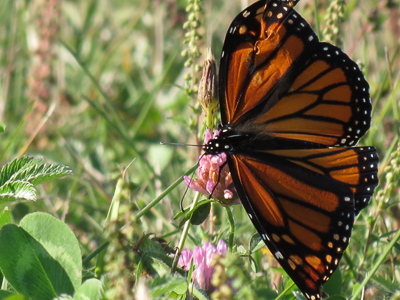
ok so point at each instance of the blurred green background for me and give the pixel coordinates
(97, 84)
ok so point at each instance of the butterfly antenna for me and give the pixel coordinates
(184, 194)
(191, 177)
(181, 144)
(219, 177)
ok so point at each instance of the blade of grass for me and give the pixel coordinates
(384, 107)
(392, 88)
(380, 260)
(10, 57)
(16, 133)
(38, 128)
(317, 23)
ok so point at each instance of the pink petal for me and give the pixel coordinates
(184, 259)
(198, 276)
(222, 248)
(207, 136)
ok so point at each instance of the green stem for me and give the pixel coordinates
(95, 252)
(231, 227)
(184, 235)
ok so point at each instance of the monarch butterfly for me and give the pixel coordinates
(292, 108)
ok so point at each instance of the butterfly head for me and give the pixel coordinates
(227, 140)
(223, 141)
(216, 146)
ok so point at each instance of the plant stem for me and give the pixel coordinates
(231, 227)
(184, 235)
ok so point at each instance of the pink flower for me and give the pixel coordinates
(184, 259)
(207, 177)
(202, 259)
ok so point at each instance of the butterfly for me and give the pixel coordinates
(292, 110)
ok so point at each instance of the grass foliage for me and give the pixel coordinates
(97, 85)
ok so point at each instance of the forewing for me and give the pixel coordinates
(263, 44)
(278, 80)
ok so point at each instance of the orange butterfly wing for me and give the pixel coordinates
(275, 73)
(285, 99)
(302, 203)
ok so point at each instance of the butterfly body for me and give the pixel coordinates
(291, 109)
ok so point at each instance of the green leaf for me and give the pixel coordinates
(336, 297)
(61, 243)
(2, 127)
(15, 297)
(187, 214)
(176, 284)
(15, 166)
(180, 214)
(241, 250)
(256, 243)
(91, 289)
(21, 266)
(5, 217)
(386, 283)
(334, 285)
(17, 190)
(356, 287)
(201, 213)
(266, 293)
(154, 258)
(5, 294)
(40, 173)
(397, 246)
(17, 178)
(253, 264)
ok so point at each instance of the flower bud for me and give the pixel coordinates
(208, 90)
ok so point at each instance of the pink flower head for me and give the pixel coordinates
(208, 173)
(202, 259)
